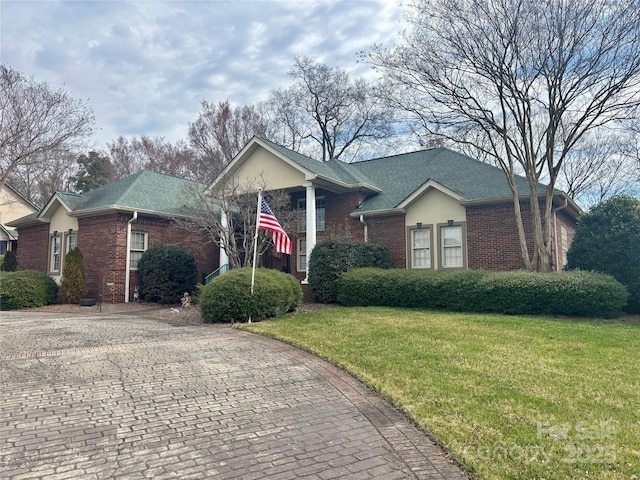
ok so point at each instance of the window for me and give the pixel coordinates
(451, 241)
(565, 243)
(72, 241)
(302, 254)
(138, 247)
(4, 246)
(421, 248)
(54, 249)
(302, 214)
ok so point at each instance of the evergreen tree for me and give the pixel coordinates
(73, 287)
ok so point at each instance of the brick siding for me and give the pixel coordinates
(33, 247)
(390, 231)
(103, 241)
(492, 236)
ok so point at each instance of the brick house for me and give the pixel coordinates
(112, 225)
(434, 209)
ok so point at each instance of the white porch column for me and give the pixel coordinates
(224, 258)
(311, 223)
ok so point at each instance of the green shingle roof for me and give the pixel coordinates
(398, 176)
(145, 190)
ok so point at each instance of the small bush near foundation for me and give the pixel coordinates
(228, 298)
(574, 293)
(26, 289)
(329, 259)
(9, 263)
(165, 272)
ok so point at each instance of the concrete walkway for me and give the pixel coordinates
(126, 396)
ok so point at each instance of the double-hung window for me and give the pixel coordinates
(302, 214)
(55, 247)
(138, 247)
(302, 255)
(452, 245)
(421, 248)
(72, 241)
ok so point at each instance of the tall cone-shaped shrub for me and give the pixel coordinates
(73, 287)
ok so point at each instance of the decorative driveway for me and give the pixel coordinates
(123, 395)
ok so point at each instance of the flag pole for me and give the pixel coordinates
(255, 243)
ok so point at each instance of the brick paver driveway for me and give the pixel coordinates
(124, 396)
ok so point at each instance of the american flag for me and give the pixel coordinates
(268, 221)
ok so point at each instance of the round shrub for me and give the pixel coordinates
(73, 286)
(329, 259)
(9, 262)
(165, 272)
(26, 289)
(607, 240)
(228, 298)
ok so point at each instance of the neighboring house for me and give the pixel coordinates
(434, 209)
(112, 225)
(12, 206)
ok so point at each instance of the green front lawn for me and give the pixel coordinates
(508, 396)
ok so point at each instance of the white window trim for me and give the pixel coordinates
(131, 249)
(301, 252)
(52, 240)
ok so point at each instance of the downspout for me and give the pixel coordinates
(555, 232)
(127, 273)
(366, 229)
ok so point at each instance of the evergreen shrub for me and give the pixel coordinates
(26, 289)
(607, 240)
(575, 293)
(228, 298)
(73, 286)
(331, 258)
(10, 262)
(165, 272)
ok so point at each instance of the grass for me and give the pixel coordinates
(508, 396)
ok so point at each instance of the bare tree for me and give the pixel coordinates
(221, 131)
(528, 79)
(44, 174)
(36, 119)
(598, 167)
(227, 216)
(338, 115)
(130, 155)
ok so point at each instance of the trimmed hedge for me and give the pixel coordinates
(26, 289)
(165, 272)
(228, 298)
(574, 293)
(330, 258)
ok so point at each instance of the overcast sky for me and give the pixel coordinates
(145, 66)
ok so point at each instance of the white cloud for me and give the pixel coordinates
(145, 66)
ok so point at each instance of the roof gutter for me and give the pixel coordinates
(127, 273)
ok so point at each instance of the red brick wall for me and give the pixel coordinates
(390, 231)
(103, 241)
(492, 236)
(33, 247)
